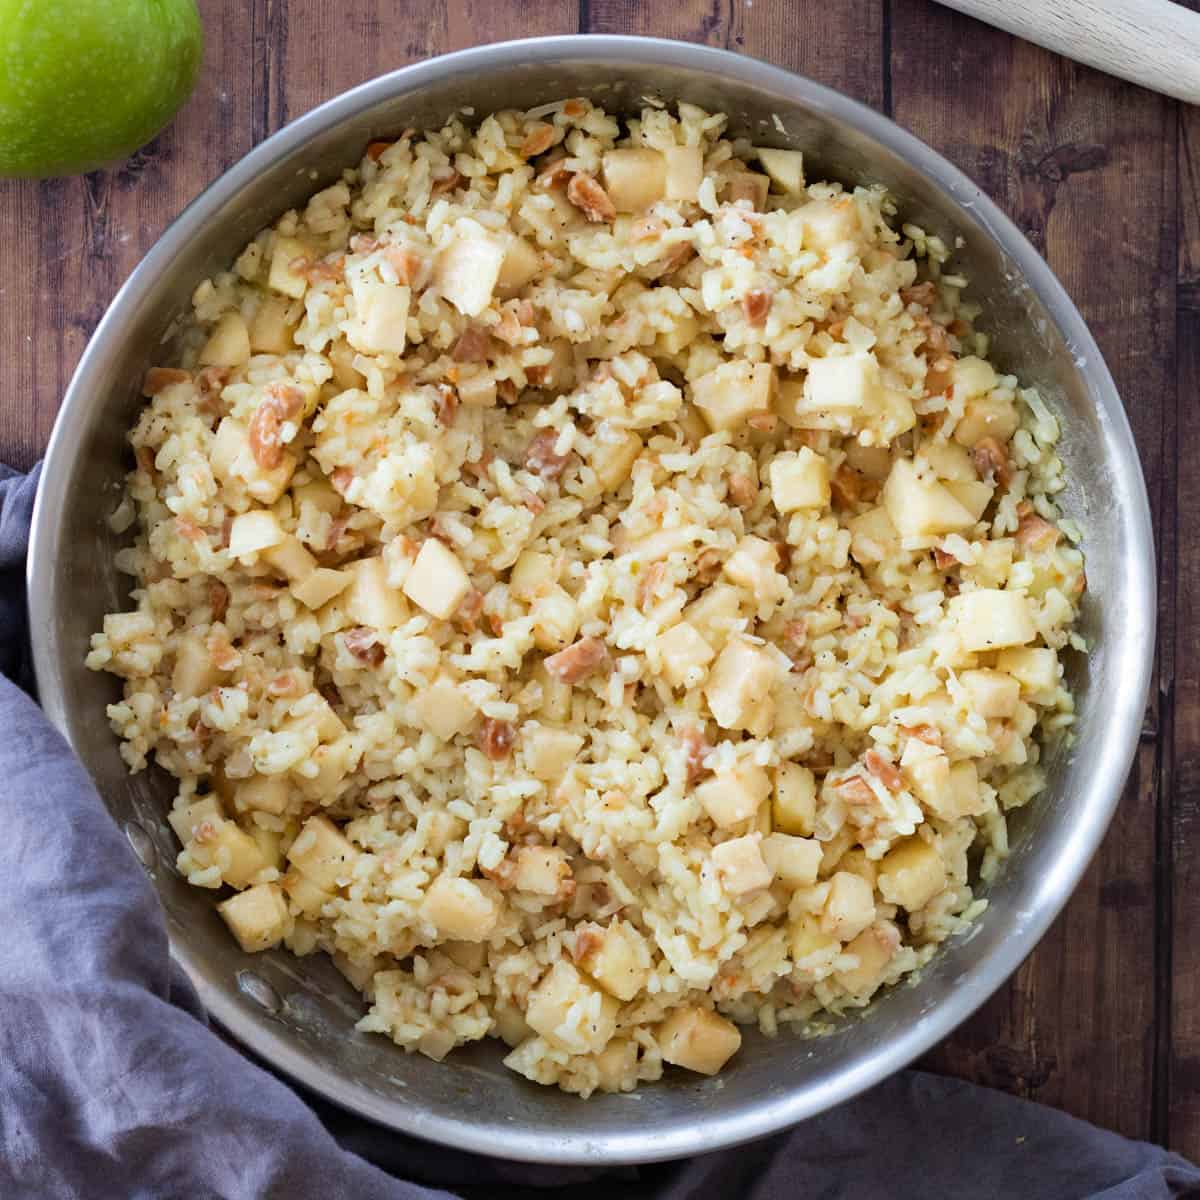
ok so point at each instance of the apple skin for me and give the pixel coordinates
(84, 83)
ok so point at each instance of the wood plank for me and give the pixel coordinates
(1184, 1078)
(360, 39)
(1085, 165)
(72, 242)
(840, 44)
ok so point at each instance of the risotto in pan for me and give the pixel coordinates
(590, 582)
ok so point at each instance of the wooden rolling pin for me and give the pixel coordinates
(1151, 42)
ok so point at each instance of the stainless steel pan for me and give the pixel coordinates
(299, 1015)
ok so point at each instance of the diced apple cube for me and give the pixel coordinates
(305, 895)
(799, 480)
(555, 617)
(614, 957)
(794, 861)
(698, 1040)
(1035, 668)
(793, 409)
(763, 822)
(272, 327)
(684, 653)
(962, 796)
(283, 277)
(730, 393)
(185, 821)
(896, 415)
(290, 558)
(993, 415)
(540, 870)
(873, 461)
(971, 377)
(911, 873)
(333, 760)
(854, 860)
(229, 343)
(806, 937)
(468, 267)
(548, 752)
(323, 853)
(948, 460)
(994, 694)
(230, 443)
(471, 956)
(634, 178)
(849, 907)
(510, 1024)
(830, 223)
(740, 865)
(921, 507)
(714, 612)
(437, 581)
(314, 712)
(321, 586)
(443, 708)
(532, 575)
(571, 1012)
(380, 324)
(745, 185)
(320, 493)
(254, 531)
(752, 564)
(683, 332)
(739, 688)
(521, 263)
(843, 382)
(556, 694)
(733, 796)
(257, 917)
(990, 619)
(262, 793)
(613, 460)
(685, 172)
(973, 494)
(785, 168)
(874, 948)
(360, 973)
(370, 600)
(346, 375)
(873, 537)
(459, 909)
(794, 799)
(194, 672)
(221, 843)
(616, 1066)
(270, 844)
(232, 460)
(929, 776)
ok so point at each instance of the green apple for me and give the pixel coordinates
(86, 82)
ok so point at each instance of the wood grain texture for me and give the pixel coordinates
(1184, 1027)
(1085, 164)
(1104, 1019)
(360, 39)
(1155, 43)
(839, 44)
(67, 245)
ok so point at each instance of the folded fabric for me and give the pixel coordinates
(112, 1085)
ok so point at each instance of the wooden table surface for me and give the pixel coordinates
(1104, 1018)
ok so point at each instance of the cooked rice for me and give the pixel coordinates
(638, 715)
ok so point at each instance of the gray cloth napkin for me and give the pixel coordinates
(113, 1086)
